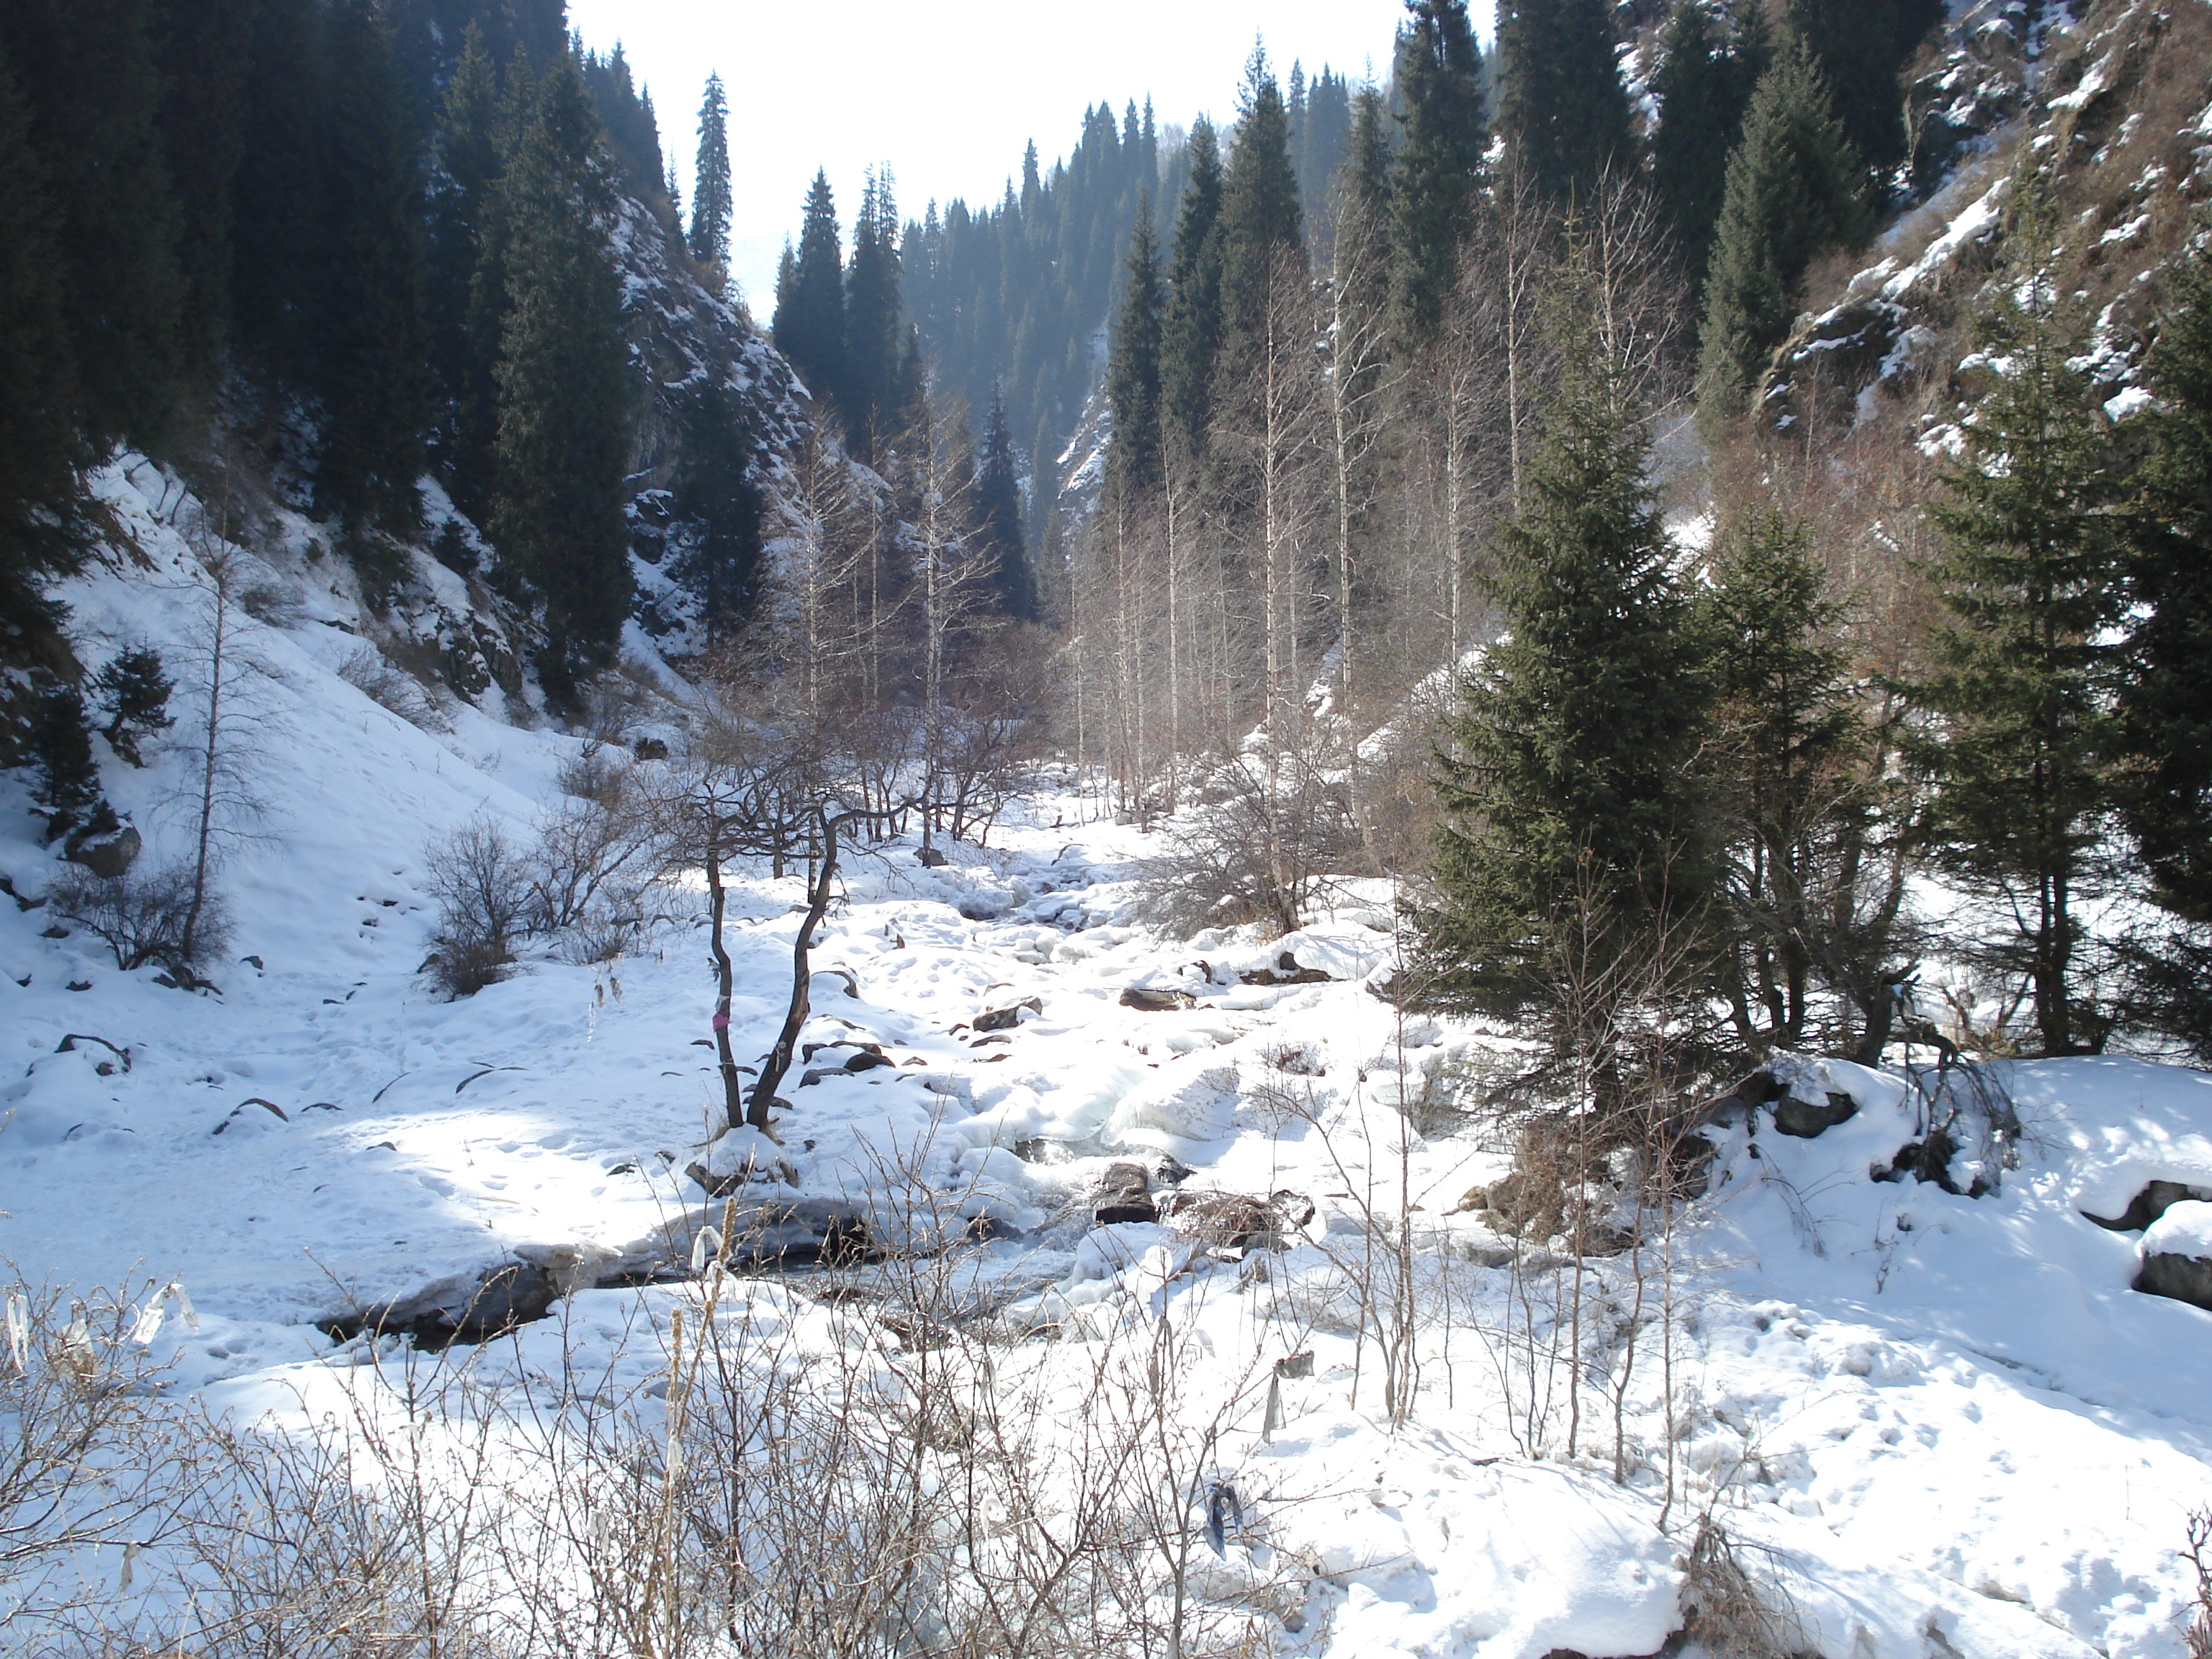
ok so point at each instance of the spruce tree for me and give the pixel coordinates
(2028, 574)
(1438, 165)
(718, 507)
(710, 192)
(134, 694)
(1260, 218)
(1190, 337)
(2167, 702)
(87, 78)
(1794, 189)
(1562, 109)
(1779, 770)
(275, 310)
(1134, 457)
(202, 46)
(873, 338)
(466, 281)
(999, 521)
(1704, 87)
(563, 403)
(67, 787)
(372, 339)
(39, 450)
(810, 318)
(1860, 46)
(1573, 824)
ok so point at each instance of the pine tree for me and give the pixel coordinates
(1561, 108)
(1259, 217)
(275, 310)
(1191, 330)
(134, 693)
(372, 341)
(1134, 457)
(2167, 698)
(466, 282)
(67, 789)
(202, 46)
(88, 77)
(39, 450)
(1860, 46)
(2028, 576)
(1704, 87)
(1779, 770)
(563, 403)
(710, 193)
(810, 318)
(999, 521)
(1438, 165)
(869, 396)
(1794, 188)
(717, 507)
(1573, 823)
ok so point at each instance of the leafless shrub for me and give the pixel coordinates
(272, 605)
(593, 773)
(376, 678)
(144, 914)
(2199, 1556)
(484, 894)
(1731, 1614)
(1261, 852)
(86, 1459)
(580, 850)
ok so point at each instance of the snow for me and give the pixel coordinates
(1933, 1424)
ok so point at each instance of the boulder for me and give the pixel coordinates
(2150, 1204)
(1285, 971)
(930, 858)
(106, 855)
(1805, 1120)
(2182, 1278)
(1124, 1193)
(1005, 1019)
(465, 1308)
(2177, 1255)
(1148, 1001)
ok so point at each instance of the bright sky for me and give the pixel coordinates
(947, 91)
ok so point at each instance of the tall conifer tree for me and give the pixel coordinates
(1191, 330)
(39, 452)
(1704, 87)
(372, 339)
(1260, 219)
(710, 194)
(810, 317)
(999, 521)
(1794, 188)
(94, 94)
(1573, 819)
(203, 47)
(2023, 692)
(873, 338)
(563, 403)
(718, 507)
(1860, 46)
(466, 283)
(1562, 109)
(1134, 457)
(1438, 165)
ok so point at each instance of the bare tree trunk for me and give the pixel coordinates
(778, 1061)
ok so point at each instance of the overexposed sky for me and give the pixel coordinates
(947, 91)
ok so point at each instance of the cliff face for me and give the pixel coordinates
(2119, 101)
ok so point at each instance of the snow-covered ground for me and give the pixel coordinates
(1931, 1425)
